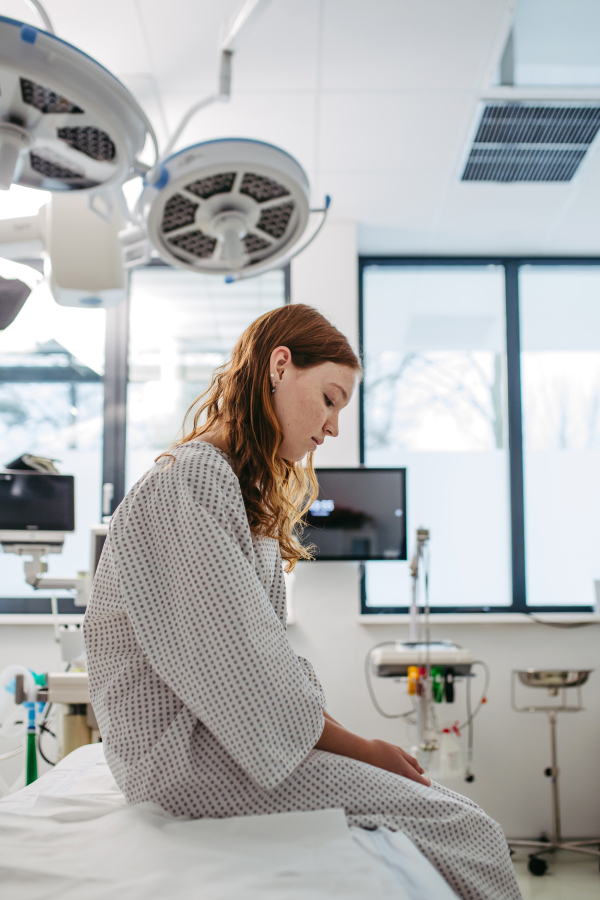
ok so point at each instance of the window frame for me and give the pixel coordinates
(511, 266)
(116, 382)
(114, 427)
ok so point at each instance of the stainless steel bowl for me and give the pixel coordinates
(554, 678)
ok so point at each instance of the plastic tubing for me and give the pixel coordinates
(13, 726)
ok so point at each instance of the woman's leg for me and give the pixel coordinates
(465, 845)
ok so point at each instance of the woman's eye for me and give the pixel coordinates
(327, 400)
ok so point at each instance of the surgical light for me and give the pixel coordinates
(225, 206)
(67, 124)
(234, 207)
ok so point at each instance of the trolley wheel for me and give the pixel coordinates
(537, 866)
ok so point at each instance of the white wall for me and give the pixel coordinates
(511, 749)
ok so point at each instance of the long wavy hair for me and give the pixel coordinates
(277, 492)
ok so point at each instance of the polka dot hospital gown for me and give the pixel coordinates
(202, 704)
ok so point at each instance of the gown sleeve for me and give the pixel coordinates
(203, 619)
(313, 679)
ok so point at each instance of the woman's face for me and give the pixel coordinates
(308, 402)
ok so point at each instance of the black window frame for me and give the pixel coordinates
(511, 265)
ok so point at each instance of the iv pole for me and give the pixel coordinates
(426, 728)
(422, 541)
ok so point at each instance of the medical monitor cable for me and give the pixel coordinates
(43, 728)
(382, 712)
(472, 713)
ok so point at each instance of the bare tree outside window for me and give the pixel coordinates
(561, 400)
(441, 400)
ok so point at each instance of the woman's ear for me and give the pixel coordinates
(281, 359)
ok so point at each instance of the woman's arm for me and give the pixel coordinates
(336, 739)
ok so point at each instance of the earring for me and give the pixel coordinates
(273, 388)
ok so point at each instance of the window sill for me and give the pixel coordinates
(482, 618)
(40, 619)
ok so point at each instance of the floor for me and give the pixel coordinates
(571, 877)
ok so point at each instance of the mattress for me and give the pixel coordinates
(72, 835)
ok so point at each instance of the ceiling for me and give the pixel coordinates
(377, 100)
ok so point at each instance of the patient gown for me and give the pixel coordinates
(202, 704)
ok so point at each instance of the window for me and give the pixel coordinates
(64, 391)
(560, 371)
(51, 404)
(443, 373)
(182, 326)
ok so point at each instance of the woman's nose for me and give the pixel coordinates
(332, 427)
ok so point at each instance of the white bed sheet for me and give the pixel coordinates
(71, 835)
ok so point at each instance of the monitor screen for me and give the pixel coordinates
(32, 501)
(360, 514)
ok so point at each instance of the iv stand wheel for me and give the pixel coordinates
(537, 866)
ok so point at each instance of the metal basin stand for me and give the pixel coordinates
(555, 682)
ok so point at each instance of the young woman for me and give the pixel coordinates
(202, 704)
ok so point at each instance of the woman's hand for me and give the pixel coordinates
(394, 759)
(336, 739)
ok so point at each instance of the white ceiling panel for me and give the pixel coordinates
(391, 130)
(576, 228)
(183, 39)
(497, 217)
(382, 198)
(399, 44)
(280, 49)
(285, 119)
(144, 89)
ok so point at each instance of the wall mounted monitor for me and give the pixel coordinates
(360, 514)
(35, 501)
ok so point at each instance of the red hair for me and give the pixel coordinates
(277, 493)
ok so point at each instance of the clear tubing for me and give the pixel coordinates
(12, 725)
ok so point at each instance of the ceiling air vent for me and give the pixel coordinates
(531, 141)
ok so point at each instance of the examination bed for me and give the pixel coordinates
(71, 835)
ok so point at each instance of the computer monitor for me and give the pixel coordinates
(360, 514)
(32, 502)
